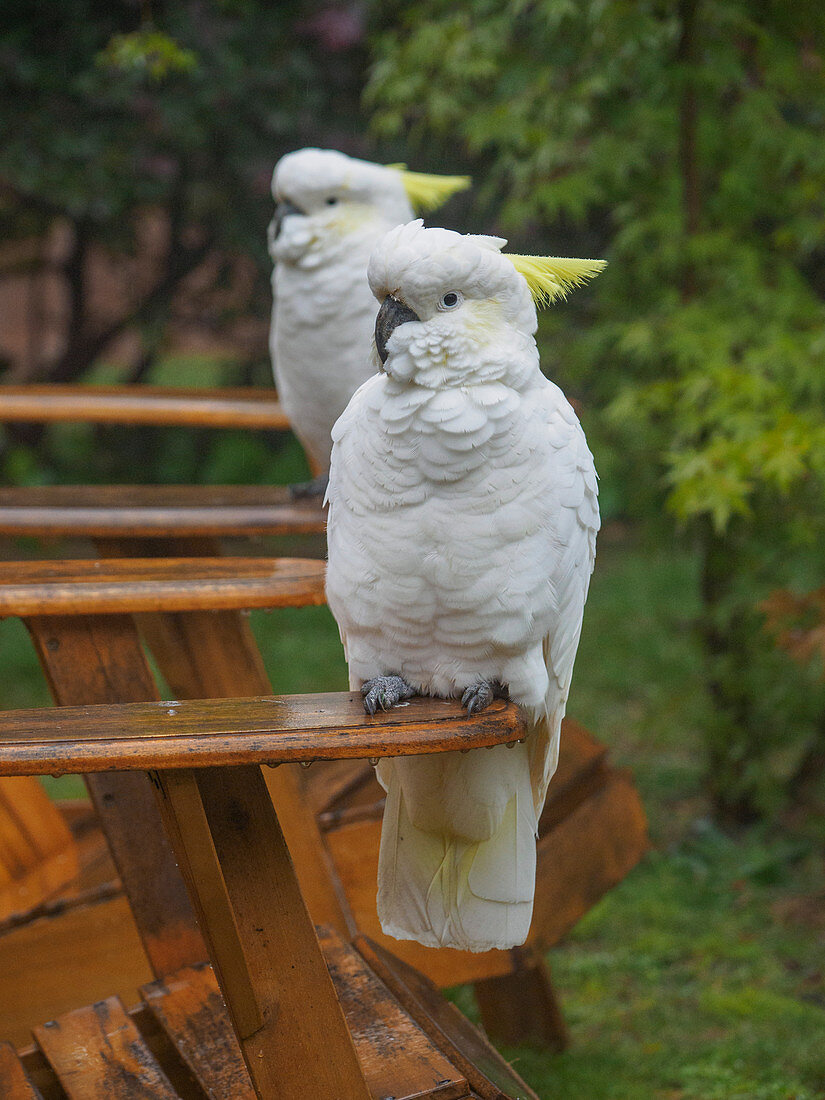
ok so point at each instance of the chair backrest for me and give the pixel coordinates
(242, 407)
(226, 838)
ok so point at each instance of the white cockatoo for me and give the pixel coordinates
(462, 532)
(331, 210)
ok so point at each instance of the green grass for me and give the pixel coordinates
(702, 976)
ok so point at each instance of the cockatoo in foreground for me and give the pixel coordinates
(462, 531)
(331, 211)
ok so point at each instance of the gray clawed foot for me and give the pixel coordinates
(480, 694)
(315, 488)
(385, 692)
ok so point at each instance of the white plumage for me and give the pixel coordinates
(462, 527)
(332, 210)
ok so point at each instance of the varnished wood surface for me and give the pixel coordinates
(150, 511)
(276, 985)
(189, 1007)
(491, 1077)
(14, 1081)
(37, 852)
(211, 733)
(65, 959)
(129, 585)
(410, 1044)
(397, 1057)
(97, 1051)
(242, 407)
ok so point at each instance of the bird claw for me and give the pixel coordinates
(385, 692)
(481, 693)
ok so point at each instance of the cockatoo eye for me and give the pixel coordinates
(451, 300)
(332, 200)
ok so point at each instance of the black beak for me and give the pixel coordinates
(283, 210)
(391, 314)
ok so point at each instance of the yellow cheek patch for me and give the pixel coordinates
(348, 217)
(427, 192)
(483, 317)
(550, 277)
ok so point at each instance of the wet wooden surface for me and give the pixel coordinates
(97, 1051)
(190, 1009)
(410, 1044)
(14, 1082)
(129, 585)
(397, 1057)
(522, 1007)
(214, 655)
(491, 1077)
(148, 511)
(242, 407)
(211, 733)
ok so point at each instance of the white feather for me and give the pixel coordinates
(461, 539)
(323, 312)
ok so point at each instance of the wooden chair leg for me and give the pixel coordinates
(230, 847)
(213, 655)
(99, 659)
(522, 1007)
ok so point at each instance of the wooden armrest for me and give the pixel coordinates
(215, 732)
(151, 511)
(130, 585)
(245, 407)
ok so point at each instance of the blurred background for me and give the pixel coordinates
(681, 140)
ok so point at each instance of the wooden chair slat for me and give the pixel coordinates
(14, 1081)
(488, 1073)
(397, 1057)
(211, 733)
(150, 511)
(37, 852)
(129, 585)
(241, 407)
(189, 1007)
(97, 1051)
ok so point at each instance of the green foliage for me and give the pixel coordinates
(147, 51)
(682, 141)
(107, 114)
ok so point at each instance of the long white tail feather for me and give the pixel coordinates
(444, 890)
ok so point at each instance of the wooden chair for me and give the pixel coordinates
(593, 830)
(37, 857)
(309, 1019)
(308, 1016)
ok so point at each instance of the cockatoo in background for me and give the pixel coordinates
(462, 532)
(331, 211)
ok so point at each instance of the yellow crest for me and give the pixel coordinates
(549, 277)
(425, 191)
